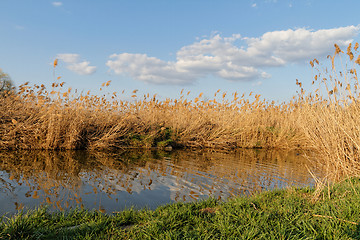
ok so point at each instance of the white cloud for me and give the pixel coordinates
(57, 4)
(301, 44)
(74, 64)
(149, 69)
(253, 5)
(233, 58)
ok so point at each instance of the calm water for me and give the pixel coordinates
(114, 181)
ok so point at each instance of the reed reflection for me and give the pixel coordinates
(112, 181)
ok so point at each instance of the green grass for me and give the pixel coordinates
(280, 214)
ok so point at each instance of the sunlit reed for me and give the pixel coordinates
(325, 119)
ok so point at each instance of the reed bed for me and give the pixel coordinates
(332, 119)
(36, 118)
(325, 120)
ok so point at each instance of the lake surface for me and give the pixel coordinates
(111, 182)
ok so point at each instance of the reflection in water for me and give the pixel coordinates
(114, 181)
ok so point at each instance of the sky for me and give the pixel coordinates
(161, 47)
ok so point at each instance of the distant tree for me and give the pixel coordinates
(6, 84)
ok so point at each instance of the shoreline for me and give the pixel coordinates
(292, 213)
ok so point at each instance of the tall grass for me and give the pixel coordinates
(37, 118)
(326, 120)
(332, 119)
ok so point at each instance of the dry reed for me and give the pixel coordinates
(326, 120)
(58, 119)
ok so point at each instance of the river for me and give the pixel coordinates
(113, 181)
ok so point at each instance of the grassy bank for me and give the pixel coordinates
(279, 214)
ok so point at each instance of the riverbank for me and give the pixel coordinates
(279, 214)
(324, 120)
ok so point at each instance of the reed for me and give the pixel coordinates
(36, 118)
(331, 121)
(325, 120)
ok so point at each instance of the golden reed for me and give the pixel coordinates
(326, 120)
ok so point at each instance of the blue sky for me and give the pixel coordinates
(165, 46)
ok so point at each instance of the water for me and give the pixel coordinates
(111, 182)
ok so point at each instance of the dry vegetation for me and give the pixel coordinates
(326, 120)
(40, 119)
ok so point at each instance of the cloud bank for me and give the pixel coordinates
(223, 57)
(74, 64)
